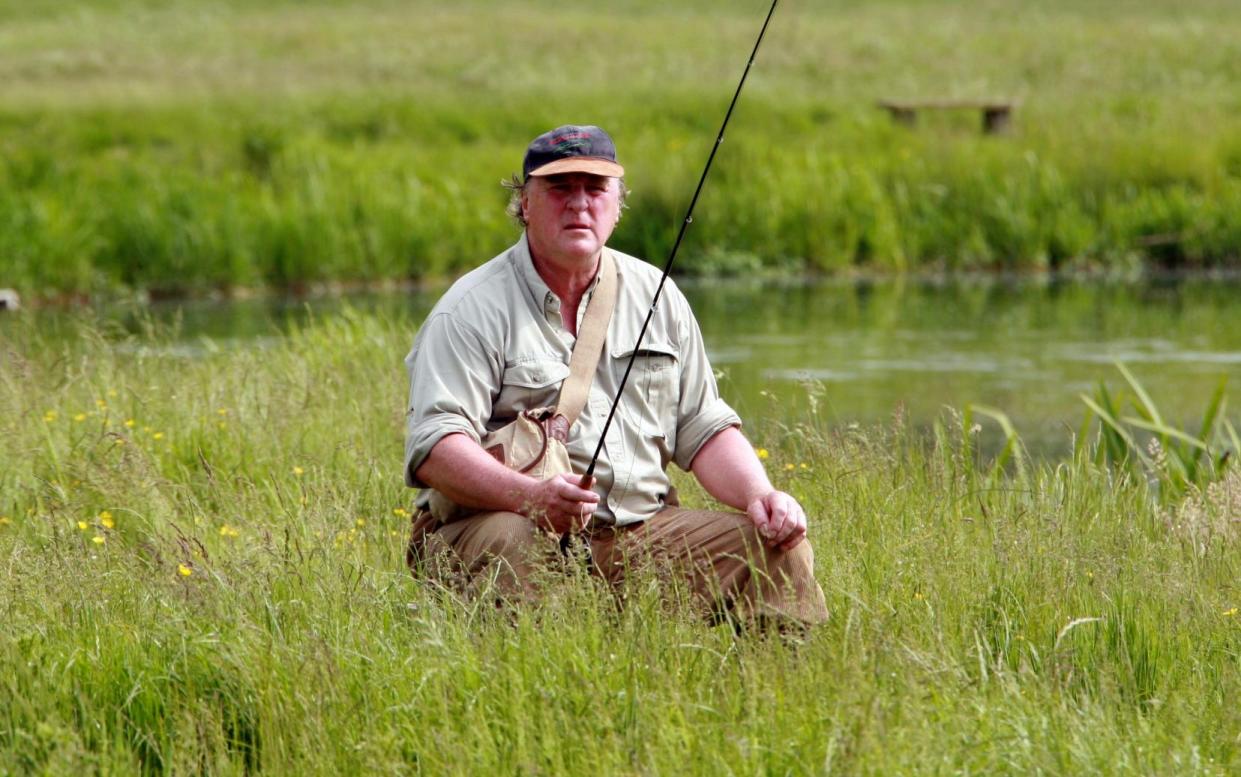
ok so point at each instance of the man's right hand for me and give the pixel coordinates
(560, 504)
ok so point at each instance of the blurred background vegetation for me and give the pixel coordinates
(198, 146)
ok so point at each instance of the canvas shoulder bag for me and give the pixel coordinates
(534, 443)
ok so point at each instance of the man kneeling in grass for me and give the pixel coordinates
(500, 342)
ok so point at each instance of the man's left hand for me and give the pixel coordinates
(779, 518)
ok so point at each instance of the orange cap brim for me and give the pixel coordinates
(580, 164)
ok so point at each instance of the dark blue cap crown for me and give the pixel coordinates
(572, 148)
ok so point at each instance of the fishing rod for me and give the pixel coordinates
(689, 217)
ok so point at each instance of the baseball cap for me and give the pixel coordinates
(572, 148)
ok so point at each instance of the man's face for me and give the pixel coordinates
(570, 217)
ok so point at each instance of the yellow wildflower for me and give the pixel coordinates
(1230, 613)
(5, 520)
(119, 441)
(222, 411)
(105, 519)
(80, 417)
(299, 471)
(49, 416)
(360, 522)
(129, 423)
(918, 595)
(184, 571)
(803, 465)
(221, 425)
(111, 392)
(400, 513)
(789, 467)
(98, 539)
(764, 454)
(83, 525)
(157, 436)
(228, 531)
(99, 403)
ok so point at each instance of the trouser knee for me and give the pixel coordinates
(506, 545)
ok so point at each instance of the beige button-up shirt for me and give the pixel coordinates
(494, 345)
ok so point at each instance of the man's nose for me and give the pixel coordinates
(577, 198)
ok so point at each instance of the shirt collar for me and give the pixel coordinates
(536, 288)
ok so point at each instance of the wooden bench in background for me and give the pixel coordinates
(996, 114)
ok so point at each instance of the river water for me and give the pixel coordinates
(863, 349)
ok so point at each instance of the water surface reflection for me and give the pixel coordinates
(865, 348)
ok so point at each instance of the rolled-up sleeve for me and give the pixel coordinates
(701, 412)
(451, 378)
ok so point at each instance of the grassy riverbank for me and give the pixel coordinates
(202, 573)
(193, 146)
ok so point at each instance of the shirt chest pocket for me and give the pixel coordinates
(654, 388)
(528, 384)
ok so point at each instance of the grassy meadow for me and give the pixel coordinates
(202, 564)
(192, 146)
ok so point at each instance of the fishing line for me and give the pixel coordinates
(689, 217)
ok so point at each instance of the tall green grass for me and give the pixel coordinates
(193, 146)
(1033, 617)
(1147, 445)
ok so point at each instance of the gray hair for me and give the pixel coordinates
(517, 188)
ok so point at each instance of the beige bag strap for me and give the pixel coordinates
(589, 346)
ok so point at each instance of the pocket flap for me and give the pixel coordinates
(648, 348)
(535, 374)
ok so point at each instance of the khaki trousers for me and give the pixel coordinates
(720, 555)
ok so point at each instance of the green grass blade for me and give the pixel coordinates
(1148, 404)
(1114, 427)
(1080, 443)
(967, 445)
(1012, 442)
(1164, 430)
(1215, 408)
(1115, 446)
